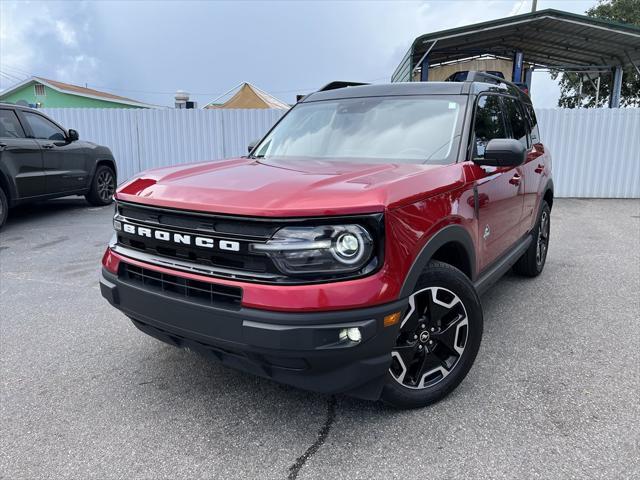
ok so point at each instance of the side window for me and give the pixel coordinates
(43, 128)
(515, 117)
(488, 123)
(9, 125)
(533, 124)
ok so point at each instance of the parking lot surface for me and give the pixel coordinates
(553, 393)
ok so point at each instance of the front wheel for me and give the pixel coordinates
(103, 186)
(438, 339)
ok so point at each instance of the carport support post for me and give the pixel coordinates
(424, 73)
(518, 59)
(616, 88)
(528, 77)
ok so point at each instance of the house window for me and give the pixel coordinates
(40, 91)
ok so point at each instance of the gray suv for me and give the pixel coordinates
(40, 160)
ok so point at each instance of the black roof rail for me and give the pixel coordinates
(340, 84)
(474, 76)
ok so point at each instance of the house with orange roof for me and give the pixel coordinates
(45, 93)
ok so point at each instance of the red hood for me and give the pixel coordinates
(287, 188)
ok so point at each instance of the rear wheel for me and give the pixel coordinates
(532, 261)
(4, 207)
(438, 340)
(103, 186)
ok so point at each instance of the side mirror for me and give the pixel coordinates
(252, 145)
(72, 135)
(503, 152)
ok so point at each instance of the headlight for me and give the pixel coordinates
(321, 249)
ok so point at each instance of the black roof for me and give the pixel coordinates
(547, 38)
(417, 88)
(388, 89)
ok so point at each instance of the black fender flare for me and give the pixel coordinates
(102, 160)
(449, 234)
(548, 187)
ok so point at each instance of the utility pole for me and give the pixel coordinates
(534, 5)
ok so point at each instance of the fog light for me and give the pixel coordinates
(352, 334)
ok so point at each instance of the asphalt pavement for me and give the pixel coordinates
(553, 393)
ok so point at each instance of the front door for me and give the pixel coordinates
(500, 190)
(64, 162)
(20, 157)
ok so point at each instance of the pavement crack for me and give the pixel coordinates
(323, 433)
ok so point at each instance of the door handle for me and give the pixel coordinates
(539, 168)
(515, 180)
(48, 145)
(3, 146)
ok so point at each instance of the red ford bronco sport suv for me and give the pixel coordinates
(347, 251)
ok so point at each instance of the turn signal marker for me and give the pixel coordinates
(391, 319)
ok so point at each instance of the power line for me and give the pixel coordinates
(10, 76)
(519, 7)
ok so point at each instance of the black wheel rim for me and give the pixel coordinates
(431, 340)
(106, 184)
(543, 239)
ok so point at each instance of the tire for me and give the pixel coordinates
(438, 339)
(103, 186)
(532, 261)
(4, 208)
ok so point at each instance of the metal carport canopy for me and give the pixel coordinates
(547, 38)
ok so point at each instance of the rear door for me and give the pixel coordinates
(499, 189)
(64, 162)
(531, 171)
(535, 168)
(20, 157)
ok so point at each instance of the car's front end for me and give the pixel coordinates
(292, 263)
(298, 300)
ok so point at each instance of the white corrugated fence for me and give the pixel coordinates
(596, 152)
(141, 139)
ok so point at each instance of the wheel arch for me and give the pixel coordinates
(109, 162)
(547, 196)
(453, 245)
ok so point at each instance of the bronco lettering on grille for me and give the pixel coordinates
(181, 238)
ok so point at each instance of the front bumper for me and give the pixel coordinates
(298, 349)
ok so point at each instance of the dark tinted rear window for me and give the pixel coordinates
(515, 117)
(9, 125)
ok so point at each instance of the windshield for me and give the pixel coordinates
(412, 129)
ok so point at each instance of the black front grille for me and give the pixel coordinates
(204, 293)
(240, 263)
(243, 263)
(204, 223)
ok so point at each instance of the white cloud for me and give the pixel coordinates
(51, 44)
(66, 33)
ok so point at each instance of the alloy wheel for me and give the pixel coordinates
(431, 340)
(106, 185)
(543, 239)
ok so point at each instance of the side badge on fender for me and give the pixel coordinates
(487, 232)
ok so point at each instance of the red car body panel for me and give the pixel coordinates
(295, 188)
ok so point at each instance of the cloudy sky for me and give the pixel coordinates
(147, 50)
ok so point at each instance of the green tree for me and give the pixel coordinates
(622, 11)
